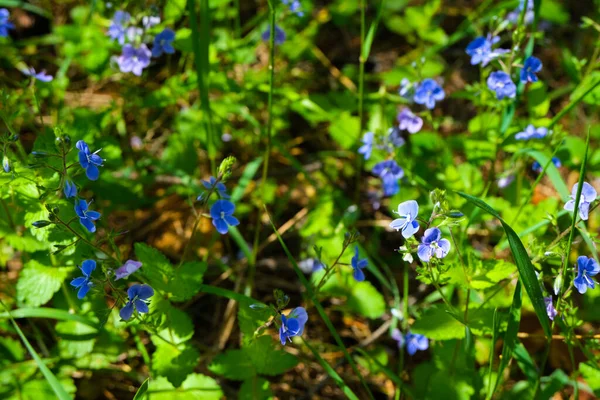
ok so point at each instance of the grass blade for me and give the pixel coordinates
(51, 313)
(331, 372)
(56, 386)
(510, 337)
(496, 332)
(526, 270)
(228, 294)
(139, 395)
(320, 310)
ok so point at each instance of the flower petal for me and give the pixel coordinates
(83, 290)
(410, 229)
(88, 224)
(358, 274)
(141, 306)
(221, 225)
(92, 172)
(408, 208)
(87, 267)
(127, 311)
(145, 292)
(78, 281)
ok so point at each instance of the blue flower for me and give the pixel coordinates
(86, 217)
(70, 189)
(415, 342)
(150, 21)
(531, 66)
(310, 265)
(407, 222)
(6, 164)
(550, 310)
(480, 50)
(536, 167)
(389, 171)
(531, 132)
(138, 300)
(4, 24)
(358, 265)
(514, 15)
(134, 60)
(432, 245)
(213, 185)
(116, 30)
(394, 139)
(367, 148)
(127, 269)
(428, 92)
(501, 83)
(163, 43)
(406, 88)
(84, 282)
(588, 195)
(398, 337)
(222, 214)
(279, 35)
(586, 267)
(41, 76)
(407, 121)
(89, 161)
(293, 324)
(294, 6)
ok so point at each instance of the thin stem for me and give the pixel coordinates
(361, 94)
(330, 269)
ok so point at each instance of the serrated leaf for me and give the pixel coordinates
(77, 339)
(38, 283)
(437, 324)
(267, 360)
(187, 280)
(255, 389)
(174, 324)
(249, 320)
(233, 364)
(195, 387)
(174, 363)
(156, 267)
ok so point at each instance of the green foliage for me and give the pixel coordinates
(175, 363)
(194, 387)
(39, 282)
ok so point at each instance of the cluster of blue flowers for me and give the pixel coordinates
(413, 341)
(135, 54)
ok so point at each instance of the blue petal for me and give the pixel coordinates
(221, 225)
(96, 159)
(133, 291)
(358, 275)
(282, 335)
(87, 267)
(141, 306)
(231, 220)
(126, 311)
(579, 284)
(78, 281)
(93, 215)
(83, 290)
(82, 146)
(80, 208)
(88, 224)
(145, 292)
(92, 172)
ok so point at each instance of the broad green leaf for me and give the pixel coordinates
(249, 320)
(174, 363)
(187, 280)
(155, 266)
(233, 364)
(526, 270)
(174, 324)
(38, 283)
(255, 389)
(77, 339)
(195, 387)
(437, 324)
(591, 374)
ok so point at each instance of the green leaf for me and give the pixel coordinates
(195, 387)
(174, 363)
(233, 364)
(38, 283)
(187, 280)
(139, 395)
(366, 300)
(526, 270)
(591, 373)
(77, 339)
(175, 325)
(249, 320)
(155, 266)
(437, 324)
(267, 360)
(255, 389)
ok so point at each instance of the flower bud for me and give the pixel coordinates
(557, 284)
(41, 223)
(6, 164)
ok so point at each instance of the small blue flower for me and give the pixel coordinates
(86, 217)
(367, 148)
(358, 265)
(150, 21)
(428, 92)
(127, 269)
(481, 52)
(6, 164)
(406, 89)
(222, 216)
(531, 132)
(389, 172)
(407, 121)
(536, 167)
(279, 35)
(550, 310)
(163, 43)
(138, 300)
(310, 265)
(415, 342)
(432, 245)
(70, 189)
(213, 185)
(588, 195)
(505, 181)
(134, 60)
(5, 25)
(89, 161)
(293, 324)
(398, 337)
(294, 6)
(84, 282)
(531, 66)
(394, 139)
(116, 30)
(41, 76)
(586, 268)
(501, 83)
(407, 222)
